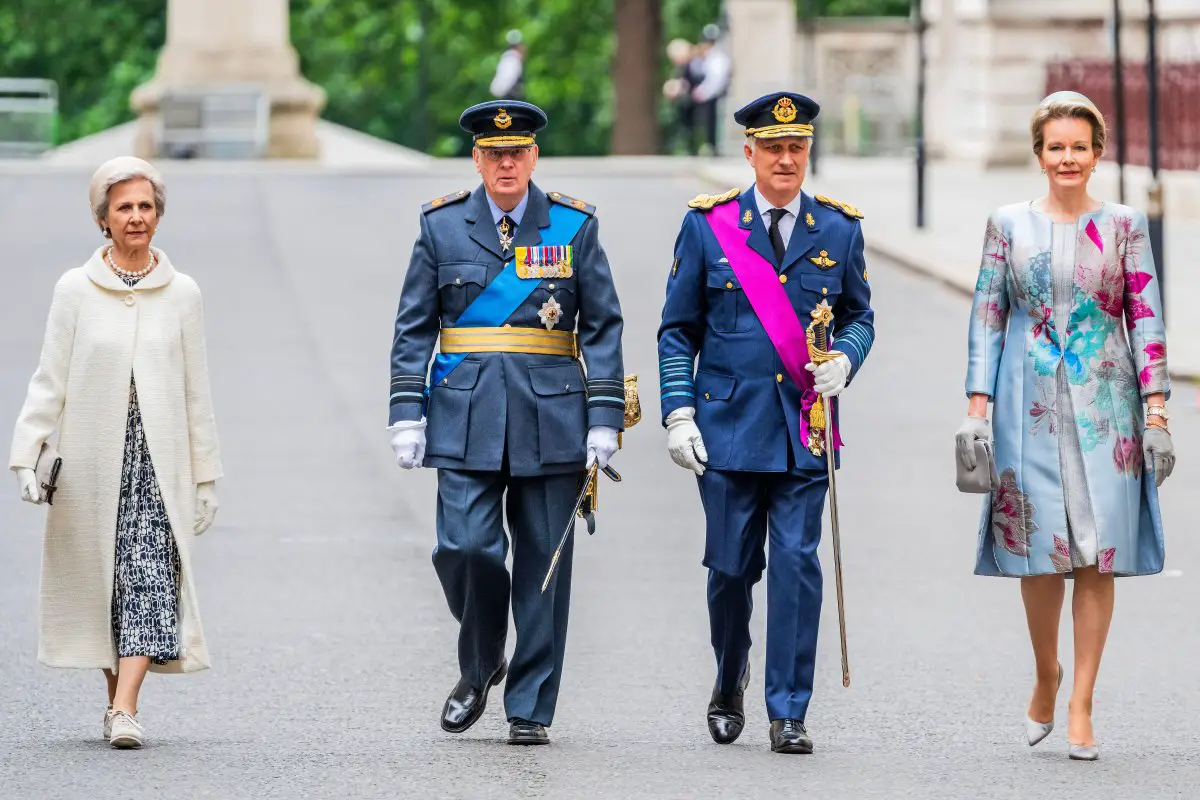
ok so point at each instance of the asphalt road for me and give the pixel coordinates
(332, 643)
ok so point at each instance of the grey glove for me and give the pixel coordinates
(972, 428)
(1159, 453)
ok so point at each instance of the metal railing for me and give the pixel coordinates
(28, 117)
(219, 122)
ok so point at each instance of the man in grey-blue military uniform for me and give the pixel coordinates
(515, 284)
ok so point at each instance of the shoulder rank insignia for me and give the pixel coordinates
(707, 201)
(571, 202)
(445, 200)
(845, 208)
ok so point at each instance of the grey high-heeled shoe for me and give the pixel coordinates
(1037, 731)
(1083, 752)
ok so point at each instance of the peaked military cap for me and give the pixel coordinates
(774, 116)
(503, 123)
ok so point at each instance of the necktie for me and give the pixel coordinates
(775, 235)
(507, 231)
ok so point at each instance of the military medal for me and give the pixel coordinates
(550, 313)
(506, 238)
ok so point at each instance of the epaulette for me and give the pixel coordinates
(571, 202)
(845, 208)
(445, 200)
(707, 201)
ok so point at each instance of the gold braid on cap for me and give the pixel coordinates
(780, 131)
(504, 141)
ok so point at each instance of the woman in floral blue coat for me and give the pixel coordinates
(1067, 343)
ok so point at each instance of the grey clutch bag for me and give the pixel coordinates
(48, 464)
(983, 478)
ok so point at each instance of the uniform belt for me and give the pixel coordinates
(509, 340)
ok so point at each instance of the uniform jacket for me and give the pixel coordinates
(538, 408)
(714, 353)
(1114, 347)
(99, 332)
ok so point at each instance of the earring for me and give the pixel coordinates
(1043, 170)
(107, 232)
(1093, 170)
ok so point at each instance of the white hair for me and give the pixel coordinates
(119, 170)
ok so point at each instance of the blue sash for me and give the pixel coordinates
(500, 298)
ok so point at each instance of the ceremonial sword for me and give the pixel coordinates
(587, 515)
(819, 352)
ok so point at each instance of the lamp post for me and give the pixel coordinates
(919, 19)
(1119, 100)
(1154, 205)
(810, 71)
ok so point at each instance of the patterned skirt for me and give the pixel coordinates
(146, 577)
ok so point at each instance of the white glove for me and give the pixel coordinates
(684, 441)
(27, 480)
(601, 444)
(830, 378)
(206, 506)
(408, 443)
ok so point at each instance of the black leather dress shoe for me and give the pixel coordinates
(466, 703)
(726, 714)
(525, 732)
(789, 736)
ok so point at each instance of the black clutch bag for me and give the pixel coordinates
(49, 464)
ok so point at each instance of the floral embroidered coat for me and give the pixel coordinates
(1113, 345)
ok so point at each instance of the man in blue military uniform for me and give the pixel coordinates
(516, 285)
(741, 402)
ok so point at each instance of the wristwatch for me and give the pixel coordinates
(1157, 411)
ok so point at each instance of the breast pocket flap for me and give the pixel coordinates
(723, 279)
(461, 274)
(822, 284)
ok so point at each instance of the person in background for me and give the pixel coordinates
(123, 378)
(714, 70)
(1066, 343)
(678, 92)
(509, 81)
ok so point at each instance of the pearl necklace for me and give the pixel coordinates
(126, 274)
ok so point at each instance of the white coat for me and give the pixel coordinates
(99, 332)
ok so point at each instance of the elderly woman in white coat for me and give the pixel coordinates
(123, 378)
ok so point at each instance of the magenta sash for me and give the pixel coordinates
(772, 306)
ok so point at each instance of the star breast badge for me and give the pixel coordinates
(550, 313)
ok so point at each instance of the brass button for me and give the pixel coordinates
(728, 285)
(129, 300)
(445, 381)
(779, 377)
(551, 287)
(508, 324)
(707, 396)
(824, 290)
(567, 387)
(783, 278)
(458, 281)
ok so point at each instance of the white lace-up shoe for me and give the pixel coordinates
(126, 733)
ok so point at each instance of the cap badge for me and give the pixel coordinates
(504, 121)
(785, 110)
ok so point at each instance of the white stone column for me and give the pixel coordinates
(214, 42)
(762, 44)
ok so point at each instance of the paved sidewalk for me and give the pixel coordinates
(958, 202)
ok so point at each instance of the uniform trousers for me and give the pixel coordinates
(745, 510)
(470, 563)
